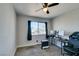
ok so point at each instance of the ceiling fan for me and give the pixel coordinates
(45, 7)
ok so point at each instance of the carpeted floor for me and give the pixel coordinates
(37, 51)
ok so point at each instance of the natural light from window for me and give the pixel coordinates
(38, 28)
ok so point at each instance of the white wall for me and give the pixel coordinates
(69, 22)
(7, 30)
(22, 26)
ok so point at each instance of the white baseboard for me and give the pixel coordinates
(13, 52)
(25, 45)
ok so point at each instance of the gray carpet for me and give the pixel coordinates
(37, 51)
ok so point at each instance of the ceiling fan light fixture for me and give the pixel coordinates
(45, 9)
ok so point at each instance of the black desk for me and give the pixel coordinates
(62, 40)
(51, 39)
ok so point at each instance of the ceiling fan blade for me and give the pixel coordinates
(38, 9)
(47, 12)
(53, 4)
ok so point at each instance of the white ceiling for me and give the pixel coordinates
(30, 9)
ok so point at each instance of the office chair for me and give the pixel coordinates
(71, 46)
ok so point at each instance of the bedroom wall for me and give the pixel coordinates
(7, 30)
(69, 22)
(22, 26)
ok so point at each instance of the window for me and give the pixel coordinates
(34, 27)
(38, 28)
(41, 28)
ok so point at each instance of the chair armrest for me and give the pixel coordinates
(66, 43)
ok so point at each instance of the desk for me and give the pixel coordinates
(51, 39)
(63, 39)
(59, 41)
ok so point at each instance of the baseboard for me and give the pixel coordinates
(13, 52)
(25, 45)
